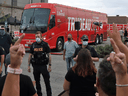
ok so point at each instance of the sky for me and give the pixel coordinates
(110, 7)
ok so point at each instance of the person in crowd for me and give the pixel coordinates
(121, 33)
(126, 42)
(69, 49)
(15, 83)
(80, 79)
(5, 42)
(1, 59)
(40, 56)
(125, 33)
(106, 79)
(112, 77)
(84, 40)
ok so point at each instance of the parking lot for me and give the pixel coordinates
(58, 71)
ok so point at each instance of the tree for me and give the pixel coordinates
(2, 8)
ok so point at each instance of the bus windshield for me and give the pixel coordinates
(37, 18)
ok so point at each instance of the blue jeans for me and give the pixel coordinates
(70, 61)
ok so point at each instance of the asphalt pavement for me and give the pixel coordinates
(58, 71)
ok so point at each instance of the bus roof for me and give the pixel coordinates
(53, 5)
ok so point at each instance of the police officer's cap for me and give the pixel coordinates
(84, 38)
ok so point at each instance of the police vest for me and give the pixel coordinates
(40, 56)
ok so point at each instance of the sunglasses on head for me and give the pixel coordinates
(85, 39)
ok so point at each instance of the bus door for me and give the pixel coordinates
(51, 28)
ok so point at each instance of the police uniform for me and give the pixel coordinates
(39, 63)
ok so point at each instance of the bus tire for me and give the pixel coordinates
(97, 40)
(101, 39)
(59, 44)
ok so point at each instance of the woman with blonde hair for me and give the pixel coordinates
(80, 79)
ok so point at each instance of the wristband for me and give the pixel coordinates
(122, 85)
(14, 71)
(50, 64)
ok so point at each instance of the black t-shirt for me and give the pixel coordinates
(91, 49)
(5, 42)
(1, 52)
(125, 34)
(26, 85)
(81, 86)
(42, 47)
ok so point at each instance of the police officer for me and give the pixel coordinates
(84, 40)
(39, 57)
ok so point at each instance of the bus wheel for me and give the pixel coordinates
(97, 40)
(59, 45)
(101, 39)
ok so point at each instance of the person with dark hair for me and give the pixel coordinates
(5, 42)
(68, 52)
(84, 40)
(80, 79)
(39, 57)
(106, 79)
(112, 76)
(125, 33)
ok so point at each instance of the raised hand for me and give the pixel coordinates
(17, 52)
(115, 34)
(118, 60)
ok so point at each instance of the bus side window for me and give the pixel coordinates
(52, 22)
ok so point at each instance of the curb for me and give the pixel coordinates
(56, 53)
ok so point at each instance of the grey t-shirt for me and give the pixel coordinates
(121, 32)
(7, 59)
(70, 48)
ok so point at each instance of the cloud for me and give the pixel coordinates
(110, 7)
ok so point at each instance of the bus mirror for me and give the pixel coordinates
(100, 23)
(96, 23)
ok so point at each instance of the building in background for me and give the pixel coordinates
(15, 8)
(20, 3)
(118, 19)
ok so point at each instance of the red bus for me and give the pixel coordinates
(56, 21)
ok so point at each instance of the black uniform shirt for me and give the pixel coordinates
(42, 47)
(91, 49)
(1, 52)
(5, 42)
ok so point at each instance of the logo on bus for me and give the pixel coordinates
(60, 13)
(85, 23)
